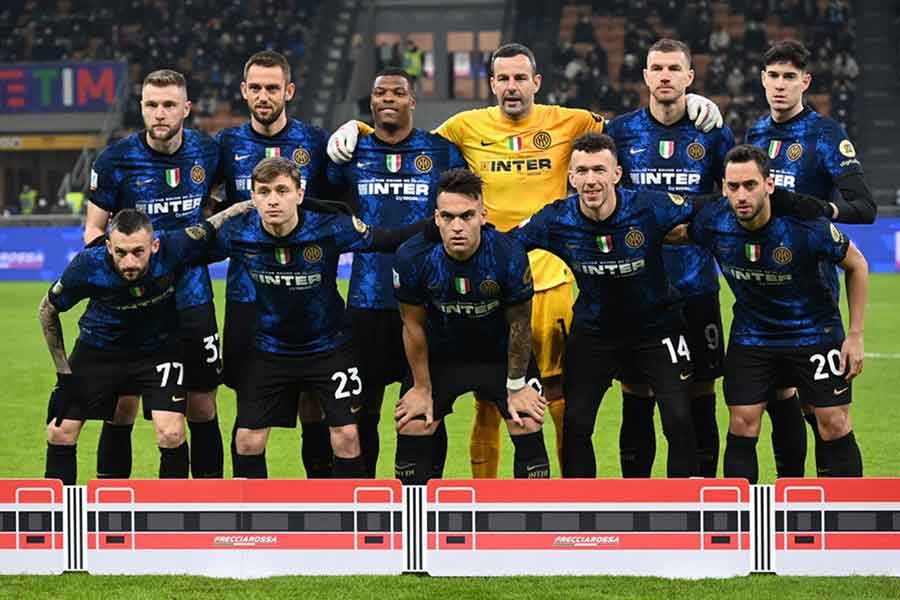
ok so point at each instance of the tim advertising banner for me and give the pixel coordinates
(59, 87)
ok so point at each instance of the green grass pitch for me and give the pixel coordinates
(28, 378)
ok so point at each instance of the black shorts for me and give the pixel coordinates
(591, 362)
(378, 339)
(199, 338)
(270, 391)
(450, 380)
(157, 376)
(237, 345)
(704, 336)
(752, 373)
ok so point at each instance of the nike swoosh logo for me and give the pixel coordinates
(240, 157)
(355, 409)
(841, 391)
(484, 143)
(635, 150)
(362, 165)
(177, 399)
(141, 182)
(684, 376)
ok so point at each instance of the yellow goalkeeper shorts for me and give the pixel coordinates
(551, 317)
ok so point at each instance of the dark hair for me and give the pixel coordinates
(269, 168)
(165, 78)
(460, 181)
(594, 142)
(395, 72)
(269, 58)
(745, 153)
(787, 51)
(130, 220)
(670, 45)
(510, 50)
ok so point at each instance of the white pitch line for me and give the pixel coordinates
(885, 355)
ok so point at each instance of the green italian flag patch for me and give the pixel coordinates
(462, 285)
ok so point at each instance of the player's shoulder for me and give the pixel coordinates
(503, 244)
(229, 135)
(199, 139)
(759, 127)
(555, 116)
(717, 211)
(415, 249)
(826, 126)
(89, 263)
(432, 139)
(817, 225)
(623, 121)
(120, 148)
(554, 211)
(308, 130)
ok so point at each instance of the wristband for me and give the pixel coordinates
(514, 385)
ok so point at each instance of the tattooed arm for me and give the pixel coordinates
(218, 219)
(522, 399)
(53, 334)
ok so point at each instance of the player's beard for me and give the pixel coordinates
(170, 133)
(274, 115)
(136, 274)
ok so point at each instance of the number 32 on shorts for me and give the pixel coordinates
(348, 383)
(677, 349)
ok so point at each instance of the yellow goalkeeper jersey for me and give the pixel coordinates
(524, 166)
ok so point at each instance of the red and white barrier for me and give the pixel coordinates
(31, 527)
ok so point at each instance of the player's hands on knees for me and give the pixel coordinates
(342, 142)
(526, 401)
(61, 398)
(852, 356)
(415, 402)
(703, 112)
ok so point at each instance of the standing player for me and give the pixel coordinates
(267, 88)
(165, 171)
(811, 154)
(127, 338)
(787, 327)
(466, 307)
(302, 340)
(660, 149)
(393, 178)
(521, 151)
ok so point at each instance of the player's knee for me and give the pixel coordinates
(66, 434)
(201, 406)
(309, 409)
(528, 425)
(417, 427)
(744, 421)
(126, 410)
(834, 422)
(170, 435)
(345, 441)
(250, 442)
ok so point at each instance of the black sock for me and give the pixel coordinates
(412, 465)
(439, 455)
(349, 468)
(740, 458)
(114, 451)
(703, 413)
(251, 466)
(207, 457)
(173, 462)
(369, 441)
(637, 437)
(530, 457)
(315, 450)
(61, 463)
(842, 457)
(788, 436)
(821, 468)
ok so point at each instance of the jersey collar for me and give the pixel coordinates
(684, 119)
(412, 132)
(143, 137)
(275, 135)
(799, 116)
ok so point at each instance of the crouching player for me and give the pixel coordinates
(466, 308)
(787, 329)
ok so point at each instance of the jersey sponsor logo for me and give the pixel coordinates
(196, 232)
(696, 150)
(752, 252)
(489, 288)
(301, 157)
(94, 180)
(585, 540)
(782, 255)
(198, 174)
(785, 180)
(393, 162)
(794, 152)
(283, 256)
(516, 165)
(620, 268)
(667, 178)
(312, 253)
(774, 148)
(165, 207)
(676, 199)
(542, 140)
(423, 163)
(173, 177)
(634, 238)
(293, 280)
(462, 285)
(757, 276)
(666, 148)
(514, 143)
(468, 309)
(836, 234)
(402, 189)
(273, 151)
(846, 148)
(635, 150)
(358, 225)
(605, 243)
